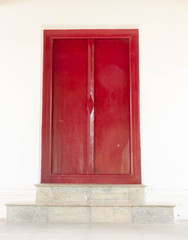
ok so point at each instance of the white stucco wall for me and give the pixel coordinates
(163, 26)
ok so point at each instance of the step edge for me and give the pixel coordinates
(90, 204)
(88, 185)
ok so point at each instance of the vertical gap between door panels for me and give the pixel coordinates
(90, 109)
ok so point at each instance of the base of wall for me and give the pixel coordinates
(85, 212)
(90, 203)
(15, 194)
(177, 197)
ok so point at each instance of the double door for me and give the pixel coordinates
(88, 129)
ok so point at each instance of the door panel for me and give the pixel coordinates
(112, 127)
(69, 118)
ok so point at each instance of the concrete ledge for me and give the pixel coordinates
(92, 204)
(24, 213)
(142, 213)
(59, 193)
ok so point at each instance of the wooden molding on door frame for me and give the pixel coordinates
(135, 176)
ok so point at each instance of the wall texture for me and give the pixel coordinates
(163, 26)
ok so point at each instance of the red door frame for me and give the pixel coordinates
(135, 176)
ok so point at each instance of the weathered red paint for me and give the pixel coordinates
(112, 111)
(69, 100)
(90, 127)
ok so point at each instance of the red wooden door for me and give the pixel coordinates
(90, 131)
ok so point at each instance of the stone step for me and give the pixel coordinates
(119, 212)
(59, 193)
